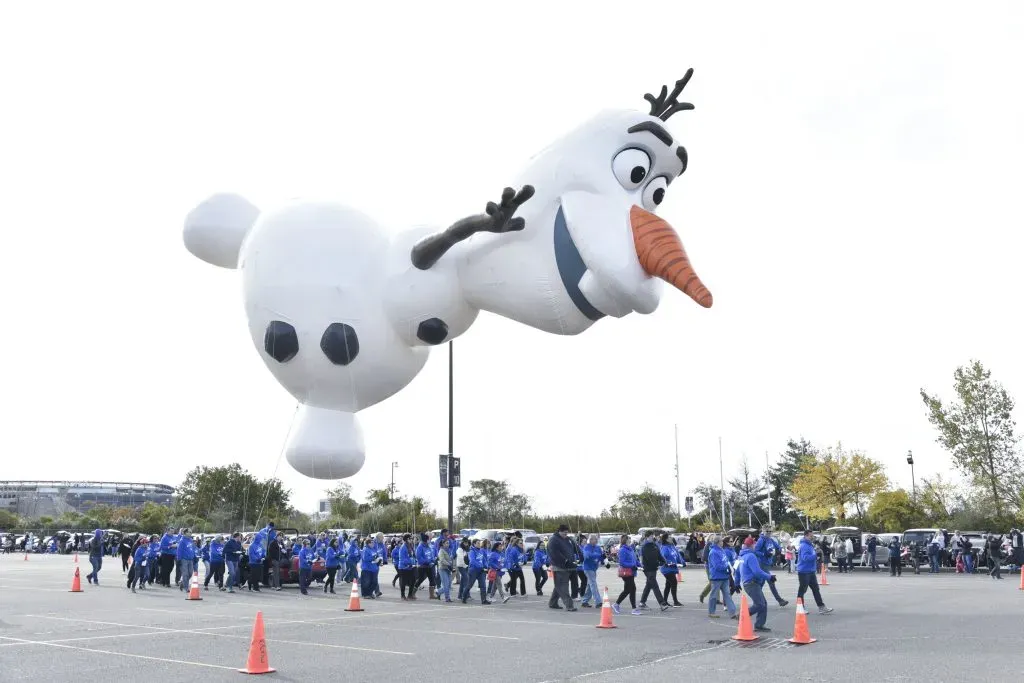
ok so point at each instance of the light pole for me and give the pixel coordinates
(913, 482)
(393, 466)
(679, 512)
(451, 432)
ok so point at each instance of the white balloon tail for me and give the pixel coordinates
(325, 444)
(216, 228)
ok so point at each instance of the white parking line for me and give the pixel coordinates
(121, 654)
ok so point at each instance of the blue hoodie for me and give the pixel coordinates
(186, 549)
(627, 558)
(141, 555)
(232, 550)
(406, 558)
(306, 558)
(205, 552)
(806, 558)
(216, 552)
(353, 551)
(167, 543)
(256, 550)
(333, 560)
(154, 550)
(750, 569)
(96, 547)
(764, 547)
(369, 557)
(592, 555)
(477, 558)
(513, 556)
(424, 555)
(718, 564)
(671, 555)
(394, 555)
(496, 561)
(540, 558)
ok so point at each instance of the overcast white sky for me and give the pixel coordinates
(853, 201)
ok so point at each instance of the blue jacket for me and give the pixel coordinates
(216, 552)
(750, 569)
(370, 553)
(141, 555)
(513, 557)
(96, 547)
(592, 556)
(894, 549)
(540, 558)
(306, 558)
(333, 558)
(671, 555)
(764, 547)
(718, 564)
(477, 558)
(496, 560)
(353, 551)
(406, 558)
(394, 555)
(806, 558)
(424, 555)
(256, 551)
(186, 549)
(204, 552)
(167, 543)
(627, 558)
(232, 550)
(154, 550)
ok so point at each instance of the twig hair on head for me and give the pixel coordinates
(664, 105)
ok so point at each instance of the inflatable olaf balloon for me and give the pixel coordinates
(344, 315)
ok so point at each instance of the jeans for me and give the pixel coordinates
(591, 591)
(97, 562)
(232, 573)
(809, 580)
(933, 560)
(540, 577)
(186, 573)
(463, 579)
(446, 584)
(873, 559)
(759, 607)
(351, 572)
(721, 586)
(305, 577)
(207, 573)
(968, 563)
(138, 576)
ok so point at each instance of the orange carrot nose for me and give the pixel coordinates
(662, 255)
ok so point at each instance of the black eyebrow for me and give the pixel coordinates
(683, 157)
(652, 128)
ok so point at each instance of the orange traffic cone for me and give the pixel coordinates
(353, 600)
(259, 662)
(193, 588)
(606, 611)
(746, 627)
(824, 574)
(801, 634)
(76, 583)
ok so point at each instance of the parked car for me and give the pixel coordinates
(844, 532)
(882, 552)
(918, 539)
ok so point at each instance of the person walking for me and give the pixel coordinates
(650, 561)
(627, 572)
(407, 568)
(140, 564)
(719, 571)
(753, 578)
(515, 558)
(872, 550)
(186, 557)
(965, 552)
(806, 564)
(168, 547)
(425, 563)
(462, 561)
(232, 557)
(672, 561)
(495, 571)
(332, 562)
(153, 558)
(705, 556)
(839, 549)
(216, 555)
(995, 557)
(895, 559)
(593, 555)
(445, 568)
(935, 549)
(540, 567)
(257, 551)
(561, 557)
(95, 557)
(477, 573)
(306, 558)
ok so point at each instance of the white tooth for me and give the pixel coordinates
(599, 297)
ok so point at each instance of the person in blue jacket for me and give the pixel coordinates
(306, 558)
(514, 560)
(369, 565)
(593, 555)
(141, 559)
(168, 547)
(186, 556)
(496, 564)
(806, 571)
(214, 553)
(670, 569)
(719, 571)
(232, 556)
(332, 560)
(477, 572)
(394, 562)
(753, 578)
(540, 567)
(353, 553)
(257, 552)
(767, 550)
(153, 557)
(95, 557)
(203, 552)
(406, 566)
(425, 564)
(627, 571)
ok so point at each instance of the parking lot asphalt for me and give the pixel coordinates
(945, 627)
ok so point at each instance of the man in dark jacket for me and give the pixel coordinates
(562, 560)
(650, 560)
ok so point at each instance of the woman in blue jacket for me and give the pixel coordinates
(394, 562)
(333, 563)
(477, 572)
(593, 554)
(215, 553)
(627, 570)
(496, 564)
(406, 566)
(670, 570)
(514, 560)
(186, 556)
(257, 553)
(153, 552)
(806, 566)
(141, 566)
(540, 567)
(753, 578)
(232, 556)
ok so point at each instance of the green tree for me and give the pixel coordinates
(978, 430)
(781, 477)
(9, 520)
(489, 501)
(938, 499)
(379, 497)
(646, 507)
(830, 483)
(153, 518)
(45, 521)
(342, 504)
(895, 511)
(102, 514)
(230, 491)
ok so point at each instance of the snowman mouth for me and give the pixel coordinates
(571, 267)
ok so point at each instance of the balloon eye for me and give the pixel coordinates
(631, 167)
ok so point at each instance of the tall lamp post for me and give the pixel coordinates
(913, 482)
(451, 432)
(393, 466)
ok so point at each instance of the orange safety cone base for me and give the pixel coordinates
(258, 662)
(353, 600)
(357, 609)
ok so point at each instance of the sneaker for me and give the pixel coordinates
(504, 599)
(765, 629)
(712, 615)
(572, 609)
(584, 604)
(643, 606)
(615, 608)
(636, 612)
(665, 607)
(783, 603)
(824, 610)
(735, 616)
